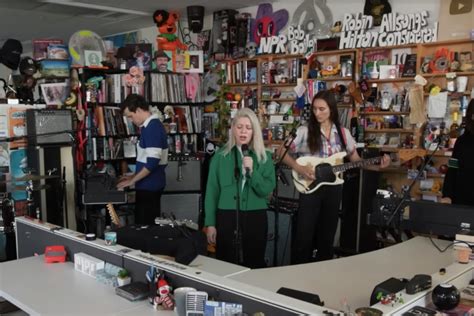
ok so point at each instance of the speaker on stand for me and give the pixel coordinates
(286, 217)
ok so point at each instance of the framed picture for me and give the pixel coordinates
(164, 60)
(54, 93)
(93, 57)
(194, 62)
(142, 56)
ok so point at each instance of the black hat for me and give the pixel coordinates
(28, 66)
(160, 53)
(10, 53)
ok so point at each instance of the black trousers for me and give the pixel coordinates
(147, 206)
(316, 224)
(253, 225)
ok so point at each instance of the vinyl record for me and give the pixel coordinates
(212, 83)
(82, 41)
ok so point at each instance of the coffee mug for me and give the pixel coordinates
(180, 299)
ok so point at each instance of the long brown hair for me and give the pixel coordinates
(314, 128)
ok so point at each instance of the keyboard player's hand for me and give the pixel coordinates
(124, 182)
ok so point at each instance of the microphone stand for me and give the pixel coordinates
(279, 175)
(237, 231)
(406, 193)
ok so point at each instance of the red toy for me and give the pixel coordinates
(164, 296)
(166, 23)
(54, 254)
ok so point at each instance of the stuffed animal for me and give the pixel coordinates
(166, 23)
(164, 297)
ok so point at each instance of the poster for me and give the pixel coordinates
(18, 162)
(17, 127)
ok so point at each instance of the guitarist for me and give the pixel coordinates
(318, 211)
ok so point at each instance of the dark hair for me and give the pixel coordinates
(470, 117)
(314, 128)
(133, 102)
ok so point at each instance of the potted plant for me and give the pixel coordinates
(123, 277)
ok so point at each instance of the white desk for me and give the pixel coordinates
(354, 278)
(217, 267)
(39, 288)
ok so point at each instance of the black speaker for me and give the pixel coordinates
(183, 174)
(183, 206)
(195, 18)
(56, 122)
(285, 224)
(392, 285)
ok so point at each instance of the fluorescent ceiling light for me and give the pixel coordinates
(95, 7)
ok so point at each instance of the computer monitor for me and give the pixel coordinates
(437, 218)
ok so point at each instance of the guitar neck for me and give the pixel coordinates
(356, 164)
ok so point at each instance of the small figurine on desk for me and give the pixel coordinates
(164, 297)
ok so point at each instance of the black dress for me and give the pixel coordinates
(458, 184)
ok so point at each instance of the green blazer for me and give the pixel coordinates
(221, 185)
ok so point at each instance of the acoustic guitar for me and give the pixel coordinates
(328, 171)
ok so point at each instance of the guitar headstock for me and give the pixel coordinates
(408, 154)
(113, 215)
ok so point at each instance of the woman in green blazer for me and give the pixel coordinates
(240, 180)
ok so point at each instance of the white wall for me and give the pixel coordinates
(337, 7)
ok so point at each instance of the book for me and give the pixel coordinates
(409, 67)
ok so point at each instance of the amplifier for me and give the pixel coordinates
(183, 174)
(286, 187)
(100, 189)
(47, 122)
(183, 206)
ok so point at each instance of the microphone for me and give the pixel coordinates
(245, 152)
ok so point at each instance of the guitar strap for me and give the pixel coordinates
(342, 136)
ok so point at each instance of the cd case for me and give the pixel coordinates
(134, 291)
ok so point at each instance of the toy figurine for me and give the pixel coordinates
(166, 23)
(164, 297)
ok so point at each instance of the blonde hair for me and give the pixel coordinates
(256, 143)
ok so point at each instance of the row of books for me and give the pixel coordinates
(176, 88)
(188, 119)
(110, 148)
(183, 144)
(244, 71)
(109, 121)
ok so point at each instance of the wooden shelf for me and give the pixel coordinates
(443, 74)
(278, 100)
(389, 130)
(335, 52)
(334, 79)
(242, 84)
(384, 113)
(431, 193)
(274, 85)
(449, 42)
(390, 80)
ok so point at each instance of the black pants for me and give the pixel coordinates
(253, 225)
(147, 206)
(316, 224)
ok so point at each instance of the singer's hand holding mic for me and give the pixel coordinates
(247, 161)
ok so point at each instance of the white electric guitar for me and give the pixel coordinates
(328, 171)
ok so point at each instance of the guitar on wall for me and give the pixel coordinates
(328, 171)
(113, 215)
